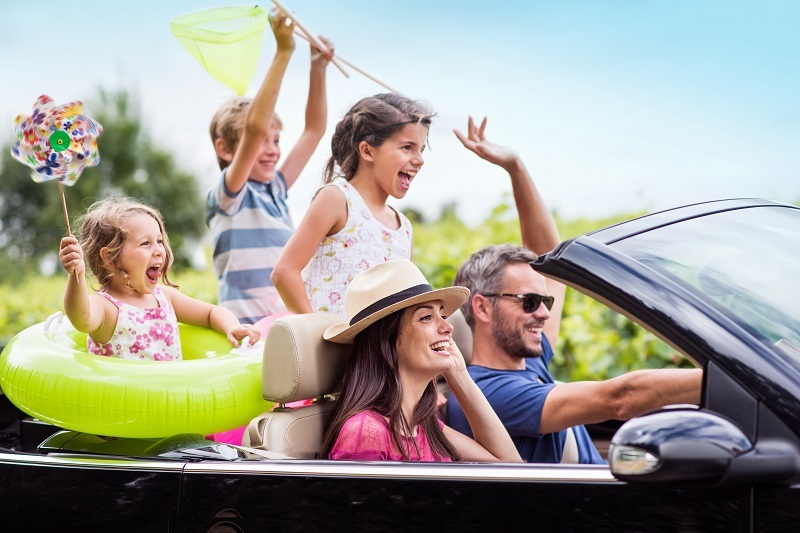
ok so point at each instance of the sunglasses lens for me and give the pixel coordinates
(532, 302)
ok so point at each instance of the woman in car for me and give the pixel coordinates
(387, 400)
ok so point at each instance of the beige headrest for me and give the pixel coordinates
(462, 334)
(298, 363)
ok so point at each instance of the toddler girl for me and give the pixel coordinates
(132, 316)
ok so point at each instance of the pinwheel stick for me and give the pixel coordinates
(64, 206)
(319, 44)
(299, 32)
(66, 216)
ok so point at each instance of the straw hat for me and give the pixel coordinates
(383, 289)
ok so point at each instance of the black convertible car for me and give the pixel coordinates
(717, 281)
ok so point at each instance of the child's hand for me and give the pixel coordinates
(284, 33)
(318, 57)
(239, 332)
(71, 256)
(475, 141)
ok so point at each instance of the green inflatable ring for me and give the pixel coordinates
(49, 375)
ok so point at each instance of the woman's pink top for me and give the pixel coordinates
(366, 437)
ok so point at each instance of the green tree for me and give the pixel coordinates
(31, 217)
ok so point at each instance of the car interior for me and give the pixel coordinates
(299, 365)
(299, 374)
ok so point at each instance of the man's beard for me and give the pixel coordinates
(510, 340)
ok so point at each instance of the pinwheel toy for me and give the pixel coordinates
(57, 142)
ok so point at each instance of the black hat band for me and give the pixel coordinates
(391, 300)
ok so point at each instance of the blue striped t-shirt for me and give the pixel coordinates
(250, 229)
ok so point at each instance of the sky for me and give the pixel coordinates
(615, 106)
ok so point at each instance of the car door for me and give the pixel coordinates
(685, 276)
(362, 496)
(85, 493)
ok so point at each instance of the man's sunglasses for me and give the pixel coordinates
(530, 301)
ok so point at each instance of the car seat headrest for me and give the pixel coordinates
(298, 364)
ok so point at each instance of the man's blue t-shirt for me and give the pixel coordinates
(517, 396)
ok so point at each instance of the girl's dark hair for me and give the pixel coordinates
(373, 119)
(371, 382)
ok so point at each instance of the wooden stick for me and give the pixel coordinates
(300, 33)
(66, 217)
(370, 76)
(319, 44)
(64, 206)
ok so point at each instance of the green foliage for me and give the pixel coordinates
(200, 284)
(440, 247)
(28, 302)
(594, 343)
(132, 164)
(31, 216)
(36, 297)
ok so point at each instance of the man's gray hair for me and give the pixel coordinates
(483, 272)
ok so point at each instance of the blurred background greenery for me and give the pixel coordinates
(595, 343)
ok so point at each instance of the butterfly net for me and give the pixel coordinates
(225, 41)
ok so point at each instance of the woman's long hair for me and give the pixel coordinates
(371, 382)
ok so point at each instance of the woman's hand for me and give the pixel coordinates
(457, 358)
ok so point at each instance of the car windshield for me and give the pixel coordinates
(744, 262)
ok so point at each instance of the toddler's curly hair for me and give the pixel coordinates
(103, 226)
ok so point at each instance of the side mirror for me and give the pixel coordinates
(688, 446)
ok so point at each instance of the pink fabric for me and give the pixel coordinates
(366, 437)
(264, 324)
(232, 436)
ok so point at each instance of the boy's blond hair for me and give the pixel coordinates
(228, 124)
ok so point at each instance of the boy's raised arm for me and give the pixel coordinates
(316, 117)
(259, 116)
